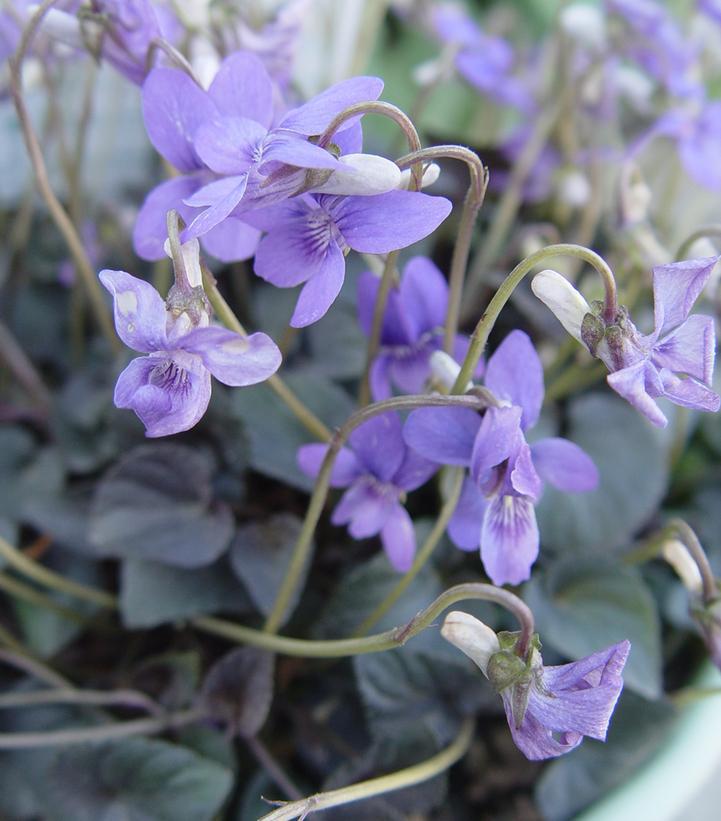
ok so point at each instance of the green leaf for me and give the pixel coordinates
(273, 431)
(238, 690)
(579, 778)
(631, 459)
(156, 504)
(137, 780)
(152, 593)
(582, 605)
(337, 343)
(260, 555)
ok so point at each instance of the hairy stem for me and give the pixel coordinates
(479, 338)
(57, 212)
(383, 784)
(302, 547)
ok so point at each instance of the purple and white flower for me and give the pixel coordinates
(378, 470)
(169, 389)
(412, 328)
(309, 237)
(497, 504)
(549, 709)
(674, 361)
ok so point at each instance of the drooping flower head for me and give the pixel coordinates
(169, 389)
(378, 470)
(549, 709)
(496, 510)
(674, 361)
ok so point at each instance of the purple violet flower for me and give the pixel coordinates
(378, 470)
(697, 132)
(412, 327)
(549, 709)
(674, 361)
(483, 61)
(169, 389)
(308, 238)
(222, 142)
(497, 504)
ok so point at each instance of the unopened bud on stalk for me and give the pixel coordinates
(430, 175)
(361, 175)
(677, 555)
(564, 301)
(445, 370)
(472, 637)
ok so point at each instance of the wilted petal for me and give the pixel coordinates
(233, 359)
(464, 527)
(534, 740)
(399, 539)
(565, 465)
(690, 348)
(167, 397)
(630, 383)
(689, 393)
(675, 289)
(140, 314)
(444, 435)
(346, 468)
(321, 290)
(388, 222)
(314, 117)
(499, 436)
(242, 88)
(174, 107)
(378, 444)
(363, 509)
(514, 373)
(151, 228)
(424, 294)
(509, 539)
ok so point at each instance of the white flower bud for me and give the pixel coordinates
(445, 370)
(565, 302)
(363, 175)
(584, 23)
(472, 637)
(430, 175)
(677, 555)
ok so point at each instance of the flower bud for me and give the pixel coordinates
(430, 175)
(565, 302)
(585, 24)
(362, 175)
(472, 637)
(445, 370)
(677, 555)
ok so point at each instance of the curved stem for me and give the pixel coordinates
(22, 660)
(479, 337)
(57, 212)
(113, 698)
(471, 206)
(48, 578)
(302, 547)
(386, 110)
(29, 594)
(107, 732)
(422, 557)
(691, 542)
(702, 233)
(383, 784)
(379, 642)
(379, 309)
(303, 413)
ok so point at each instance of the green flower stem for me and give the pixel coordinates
(337, 648)
(21, 659)
(106, 732)
(302, 547)
(29, 594)
(386, 110)
(471, 206)
(511, 200)
(479, 338)
(690, 541)
(701, 233)
(48, 578)
(379, 786)
(116, 698)
(57, 212)
(422, 556)
(304, 414)
(390, 274)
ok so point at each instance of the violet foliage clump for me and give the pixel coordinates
(378, 470)
(496, 510)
